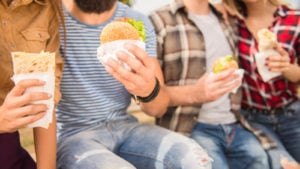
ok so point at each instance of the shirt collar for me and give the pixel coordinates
(16, 3)
(281, 11)
(177, 5)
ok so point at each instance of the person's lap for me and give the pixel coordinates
(125, 144)
(230, 146)
(285, 131)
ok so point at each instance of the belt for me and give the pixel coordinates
(275, 111)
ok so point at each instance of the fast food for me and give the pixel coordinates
(116, 34)
(25, 63)
(224, 63)
(123, 29)
(37, 66)
(267, 40)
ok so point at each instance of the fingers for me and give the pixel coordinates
(30, 110)
(221, 83)
(25, 120)
(279, 63)
(21, 87)
(25, 99)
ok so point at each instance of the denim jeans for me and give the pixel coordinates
(126, 144)
(284, 129)
(230, 146)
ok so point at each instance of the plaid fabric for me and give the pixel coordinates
(182, 58)
(183, 62)
(277, 92)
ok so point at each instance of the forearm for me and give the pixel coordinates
(45, 146)
(158, 106)
(183, 95)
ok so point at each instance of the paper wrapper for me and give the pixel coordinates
(263, 70)
(267, 41)
(37, 66)
(109, 50)
(240, 72)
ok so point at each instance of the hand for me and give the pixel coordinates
(16, 110)
(279, 63)
(213, 86)
(140, 80)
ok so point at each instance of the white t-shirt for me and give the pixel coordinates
(216, 44)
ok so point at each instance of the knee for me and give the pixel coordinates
(257, 154)
(191, 155)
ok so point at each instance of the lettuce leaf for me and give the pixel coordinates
(139, 26)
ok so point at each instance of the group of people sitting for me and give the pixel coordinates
(200, 122)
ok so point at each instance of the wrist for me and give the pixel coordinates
(152, 95)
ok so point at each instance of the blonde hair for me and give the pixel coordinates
(238, 6)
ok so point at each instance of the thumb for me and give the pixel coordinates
(281, 51)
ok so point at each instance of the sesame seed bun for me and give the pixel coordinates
(118, 30)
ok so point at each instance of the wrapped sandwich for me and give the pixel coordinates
(115, 34)
(37, 66)
(225, 63)
(267, 41)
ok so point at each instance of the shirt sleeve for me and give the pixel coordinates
(150, 38)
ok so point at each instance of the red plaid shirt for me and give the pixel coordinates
(277, 92)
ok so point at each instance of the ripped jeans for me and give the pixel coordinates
(126, 144)
(230, 146)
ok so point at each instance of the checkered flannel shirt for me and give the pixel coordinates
(181, 52)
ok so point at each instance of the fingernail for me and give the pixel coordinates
(49, 95)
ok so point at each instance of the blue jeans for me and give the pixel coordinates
(230, 146)
(126, 144)
(284, 129)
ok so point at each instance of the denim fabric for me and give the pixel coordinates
(126, 144)
(230, 146)
(284, 129)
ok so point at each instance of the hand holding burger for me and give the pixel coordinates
(225, 63)
(122, 51)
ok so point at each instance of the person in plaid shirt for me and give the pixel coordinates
(191, 35)
(272, 106)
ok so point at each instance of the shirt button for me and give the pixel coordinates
(12, 45)
(5, 23)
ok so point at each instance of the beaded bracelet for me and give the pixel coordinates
(152, 95)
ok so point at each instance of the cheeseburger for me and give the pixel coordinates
(224, 63)
(123, 29)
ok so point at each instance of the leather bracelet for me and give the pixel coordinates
(152, 95)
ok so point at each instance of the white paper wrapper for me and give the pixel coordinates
(49, 78)
(263, 70)
(108, 50)
(240, 72)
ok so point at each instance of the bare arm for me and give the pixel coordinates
(208, 88)
(45, 146)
